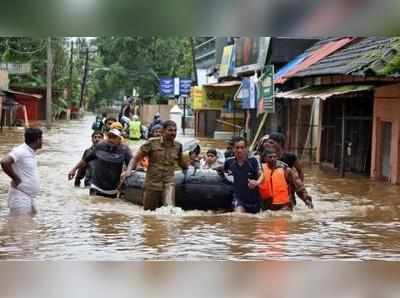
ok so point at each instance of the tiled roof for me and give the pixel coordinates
(370, 55)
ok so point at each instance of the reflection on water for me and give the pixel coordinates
(355, 218)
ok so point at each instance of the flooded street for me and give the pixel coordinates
(354, 219)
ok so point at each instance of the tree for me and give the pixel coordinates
(119, 65)
(138, 62)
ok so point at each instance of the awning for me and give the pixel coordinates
(224, 84)
(37, 96)
(323, 92)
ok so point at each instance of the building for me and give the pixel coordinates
(208, 54)
(385, 157)
(28, 105)
(331, 96)
(4, 81)
(228, 62)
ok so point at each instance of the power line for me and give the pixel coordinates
(44, 44)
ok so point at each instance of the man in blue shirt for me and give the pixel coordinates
(246, 173)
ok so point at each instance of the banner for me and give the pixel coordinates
(225, 68)
(250, 53)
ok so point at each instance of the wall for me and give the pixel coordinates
(386, 108)
(32, 107)
(4, 81)
(303, 128)
(147, 113)
(1, 106)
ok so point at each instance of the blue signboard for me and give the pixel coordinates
(185, 86)
(167, 87)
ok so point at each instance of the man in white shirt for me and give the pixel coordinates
(21, 166)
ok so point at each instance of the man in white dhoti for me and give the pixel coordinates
(21, 166)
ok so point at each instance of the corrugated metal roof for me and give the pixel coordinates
(289, 66)
(315, 56)
(366, 55)
(323, 92)
(37, 96)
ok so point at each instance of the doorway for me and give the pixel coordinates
(386, 143)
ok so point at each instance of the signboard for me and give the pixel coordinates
(225, 68)
(167, 87)
(176, 86)
(211, 98)
(217, 96)
(198, 97)
(185, 86)
(267, 89)
(250, 53)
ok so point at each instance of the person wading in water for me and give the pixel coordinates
(21, 166)
(87, 172)
(279, 182)
(109, 158)
(163, 153)
(246, 174)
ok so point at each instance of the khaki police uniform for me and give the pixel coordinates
(159, 186)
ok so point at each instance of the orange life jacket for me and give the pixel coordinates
(274, 186)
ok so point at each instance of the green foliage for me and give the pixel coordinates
(137, 62)
(34, 51)
(119, 65)
(393, 66)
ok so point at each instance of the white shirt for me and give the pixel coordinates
(25, 166)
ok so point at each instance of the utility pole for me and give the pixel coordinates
(71, 65)
(49, 88)
(193, 60)
(84, 78)
(343, 143)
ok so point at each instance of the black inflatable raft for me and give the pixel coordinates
(200, 190)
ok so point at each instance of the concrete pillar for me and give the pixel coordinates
(175, 114)
(395, 161)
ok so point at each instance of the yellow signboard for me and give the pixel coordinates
(198, 98)
(211, 98)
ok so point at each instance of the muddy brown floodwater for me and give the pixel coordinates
(354, 219)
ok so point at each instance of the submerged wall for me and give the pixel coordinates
(386, 110)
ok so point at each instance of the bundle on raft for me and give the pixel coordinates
(200, 190)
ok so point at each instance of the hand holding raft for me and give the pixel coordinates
(308, 202)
